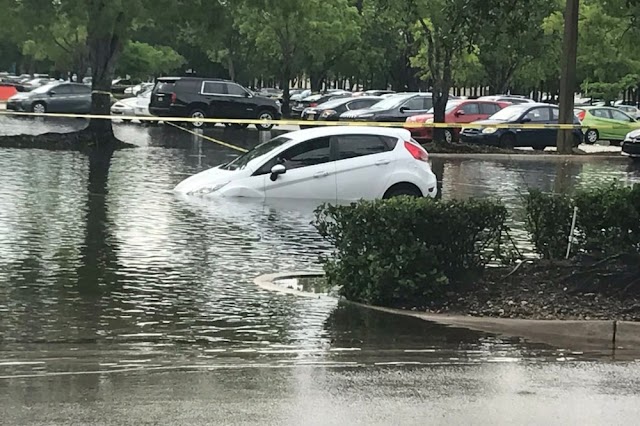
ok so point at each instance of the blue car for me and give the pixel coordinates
(532, 113)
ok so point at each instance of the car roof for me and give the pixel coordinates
(192, 78)
(318, 132)
(590, 107)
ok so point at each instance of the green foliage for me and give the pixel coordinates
(405, 251)
(548, 220)
(143, 61)
(609, 219)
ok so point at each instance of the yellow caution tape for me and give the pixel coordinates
(409, 125)
(209, 138)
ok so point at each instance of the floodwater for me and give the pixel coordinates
(115, 294)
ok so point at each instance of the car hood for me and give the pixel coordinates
(634, 135)
(489, 122)
(208, 181)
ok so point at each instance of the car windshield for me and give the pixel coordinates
(335, 102)
(510, 113)
(451, 105)
(44, 89)
(260, 150)
(391, 102)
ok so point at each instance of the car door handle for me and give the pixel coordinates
(320, 175)
(382, 162)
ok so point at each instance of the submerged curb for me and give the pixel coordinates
(615, 337)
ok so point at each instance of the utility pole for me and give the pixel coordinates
(568, 76)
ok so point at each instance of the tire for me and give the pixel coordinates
(126, 120)
(538, 148)
(399, 190)
(448, 135)
(591, 136)
(507, 141)
(39, 108)
(265, 115)
(197, 113)
(576, 141)
(615, 143)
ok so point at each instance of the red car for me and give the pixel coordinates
(457, 111)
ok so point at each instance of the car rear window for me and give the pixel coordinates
(165, 86)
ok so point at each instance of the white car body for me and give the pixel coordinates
(388, 160)
(507, 98)
(130, 107)
(631, 144)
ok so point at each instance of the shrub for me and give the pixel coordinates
(548, 220)
(405, 251)
(609, 219)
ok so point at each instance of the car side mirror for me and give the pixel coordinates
(525, 120)
(277, 170)
(52, 92)
(460, 113)
(247, 95)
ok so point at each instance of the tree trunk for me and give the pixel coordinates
(105, 45)
(440, 95)
(284, 85)
(568, 76)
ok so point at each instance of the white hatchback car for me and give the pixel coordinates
(337, 163)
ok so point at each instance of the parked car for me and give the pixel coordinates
(54, 97)
(315, 100)
(270, 92)
(299, 94)
(631, 110)
(335, 163)
(133, 107)
(605, 123)
(457, 111)
(138, 88)
(536, 113)
(512, 99)
(199, 98)
(35, 82)
(331, 110)
(631, 144)
(397, 107)
(119, 85)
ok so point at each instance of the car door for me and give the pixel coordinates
(601, 121)
(487, 109)
(214, 94)
(82, 98)
(471, 112)
(241, 103)
(60, 99)
(414, 106)
(364, 165)
(623, 123)
(310, 172)
(536, 137)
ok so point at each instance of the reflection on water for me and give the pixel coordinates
(102, 267)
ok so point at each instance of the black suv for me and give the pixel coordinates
(197, 97)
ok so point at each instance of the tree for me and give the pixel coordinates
(447, 28)
(142, 60)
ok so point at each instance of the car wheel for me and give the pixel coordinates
(538, 148)
(448, 136)
(591, 136)
(615, 143)
(39, 108)
(507, 141)
(402, 189)
(265, 115)
(197, 115)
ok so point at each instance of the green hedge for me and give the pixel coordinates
(405, 251)
(608, 221)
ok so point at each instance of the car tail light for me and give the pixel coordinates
(174, 98)
(416, 151)
(581, 115)
(313, 104)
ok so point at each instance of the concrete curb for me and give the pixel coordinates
(619, 338)
(535, 157)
